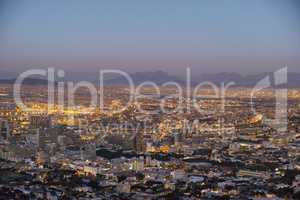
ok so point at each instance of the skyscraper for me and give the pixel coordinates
(4, 129)
(138, 142)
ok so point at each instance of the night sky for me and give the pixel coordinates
(247, 37)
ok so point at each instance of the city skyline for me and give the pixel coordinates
(150, 100)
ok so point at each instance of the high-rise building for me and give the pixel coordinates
(178, 138)
(138, 143)
(4, 129)
(48, 138)
(139, 164)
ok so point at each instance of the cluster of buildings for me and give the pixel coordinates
(82, 153)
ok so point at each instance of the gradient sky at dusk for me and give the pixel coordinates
(209, 36)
